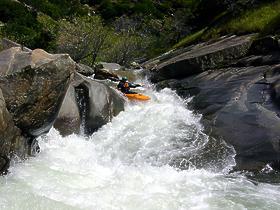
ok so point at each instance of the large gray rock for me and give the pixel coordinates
(33, 85)
(275, 87)
(84, 69)
(12, 60)
(88, 105)
(202, 57)
(6, 44)
(11, 141)
(235, 84)
(276, 91)
(98, 71)
(238, 105)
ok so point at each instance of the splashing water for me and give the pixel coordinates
(135, 162)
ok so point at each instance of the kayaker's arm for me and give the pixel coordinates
(134, 85)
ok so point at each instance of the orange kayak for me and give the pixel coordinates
(137, 96)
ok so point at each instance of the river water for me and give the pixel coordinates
(152, 156)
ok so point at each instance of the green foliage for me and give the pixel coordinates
(253, 20)
(21, 24)
(190, 39)
(146, 7)
(137, 29)
(48, 24)
(57, 8)
(45, 7)
(110, 9)
(22, 34)
(87, 40)
(273, 27)
(49, 30)
(12, 10)
(263, 19)
(127, 48)
(33, 22)
(82, 39)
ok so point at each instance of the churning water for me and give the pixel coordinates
(152, 156)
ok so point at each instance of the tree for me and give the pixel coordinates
(126, 47)
(82, 39)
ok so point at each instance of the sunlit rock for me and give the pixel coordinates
(33, 85)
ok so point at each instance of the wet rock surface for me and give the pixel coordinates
(38, 89)
(68, 120)
(240, 103)
(11, 141)
(88, 105)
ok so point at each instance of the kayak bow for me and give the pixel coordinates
(137, 96)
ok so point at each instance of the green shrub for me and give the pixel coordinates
(273, 27)
(82, 39)
(253, 20)
(263, 19)
(126, 48)
(49, 31)
(190, 39)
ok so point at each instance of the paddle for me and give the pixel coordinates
(114, 79)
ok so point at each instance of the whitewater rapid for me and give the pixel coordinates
(152, 156)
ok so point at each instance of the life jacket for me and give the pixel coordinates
(126, 85)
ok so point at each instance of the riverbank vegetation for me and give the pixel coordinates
(124, 31)
(263, 19)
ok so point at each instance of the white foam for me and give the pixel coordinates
(129, 164)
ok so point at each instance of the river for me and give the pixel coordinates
(152, 156)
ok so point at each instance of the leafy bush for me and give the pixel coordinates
(49, 31)
(263, 18)
(133, 29)
(82, 39)
(57, 9)
(123, 48)
(273, 27)
(253, 20)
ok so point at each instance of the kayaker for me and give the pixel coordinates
(125, 86)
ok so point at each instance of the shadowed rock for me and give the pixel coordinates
(238, 105)
(239, 96)
(68, 120)
(88, 105)
(11, 141)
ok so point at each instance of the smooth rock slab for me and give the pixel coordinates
(238, 105)
(202, 57)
